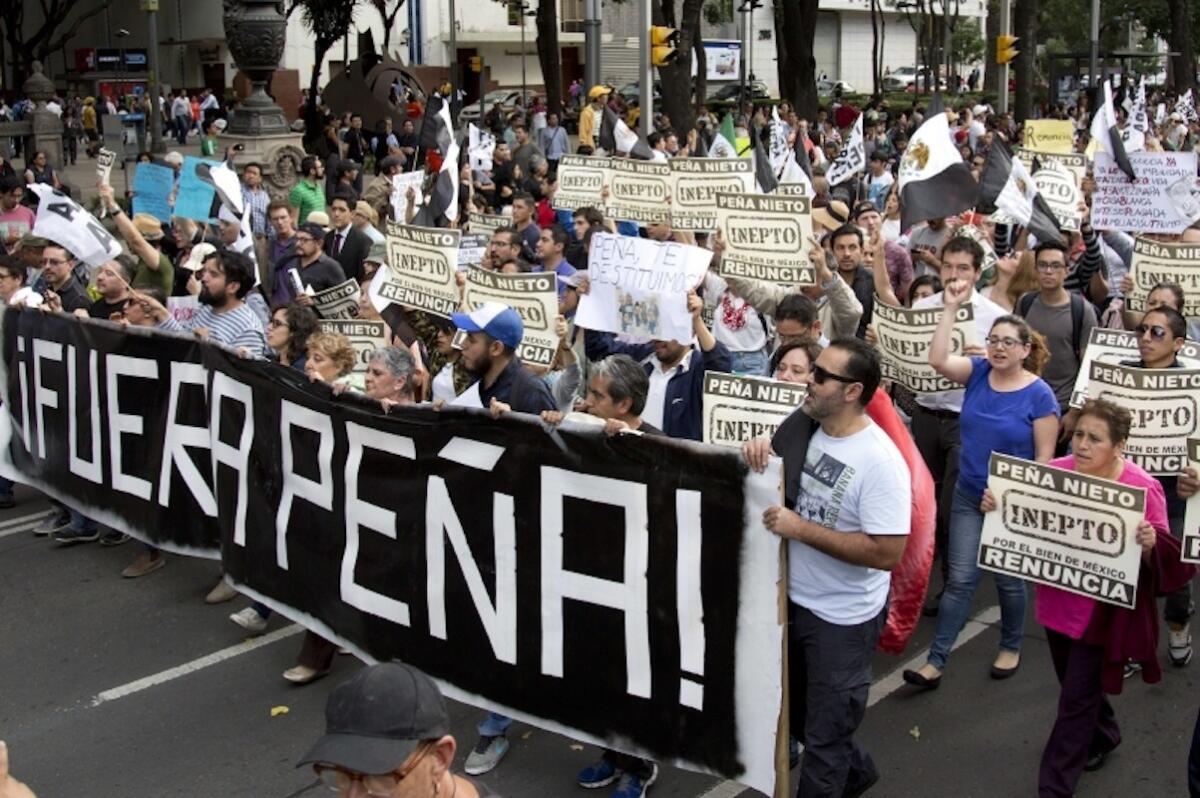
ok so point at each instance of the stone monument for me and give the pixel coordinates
(255, 31)
(46, 128)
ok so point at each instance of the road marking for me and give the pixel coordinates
(195, 665)
(28, 526)
(22, 520)
(884, 687)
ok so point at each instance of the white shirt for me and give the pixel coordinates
(986, 313)
(443, 384)
(656, 397)
(735, 324)
(859, 483)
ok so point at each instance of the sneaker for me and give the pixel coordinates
(69, 537)
(221, 593)
(112, 537)
(145, 563)
(631, 786)
(51, 524)
(1132, 669)
(302, 674)
(601, 774)
(250, 620)
(487, 754)
(1179, 645)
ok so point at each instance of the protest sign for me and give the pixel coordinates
(422, 262)
(1116, 347)
(1163, 403)
(580, 181)
(183, 308)
(338, 302)
(152, 187)
(639, 287)
(1058, 188)
(1050, 135)
(534, 296)
(104, 164)
(980, 237)
(401, 183)
(1191, 515)
(194, 198)
(61, 220)
(1074, 162)
(637, 191)
(766, 238)
(471, 248)
(365, 336)
(1064, 529)
(904, 336)
(621, 591)
(738, 408)
(481, 144)
(1143, 205)
(695, 182)
(487, 223)
(791, 190)
(1155, 263)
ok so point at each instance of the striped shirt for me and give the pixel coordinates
(256, 202)
(239, 328)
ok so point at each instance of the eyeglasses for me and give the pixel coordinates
(1043, 266)
(1157, 331)
(1003, 343)
(274, 323)
(820, 375)
(52, 262)
(378, 786)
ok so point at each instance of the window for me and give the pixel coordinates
(571, 15)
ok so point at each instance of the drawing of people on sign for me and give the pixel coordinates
(640, 317)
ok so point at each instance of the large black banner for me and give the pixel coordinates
(620, 590)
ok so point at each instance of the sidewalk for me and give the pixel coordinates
(82, 176)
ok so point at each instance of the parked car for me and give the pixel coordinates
(908, 78)
(826, 88)
(730, 92)
(631, 92)
(506, 97)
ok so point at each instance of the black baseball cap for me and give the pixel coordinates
(376, 719)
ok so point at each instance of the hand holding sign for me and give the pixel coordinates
(816, 256)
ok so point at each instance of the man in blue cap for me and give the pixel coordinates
(494, 332)
(386, 730)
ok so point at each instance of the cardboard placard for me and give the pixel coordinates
(487, 223)
(1191, 516)
(1050, 135)
(695, 182)
(338, 302)
(1164, 407)
(637, 191)
(904, 336)
(1116, 347)
(1144, 205)
(365, 336)
(534, 295)
(1154, 263)
(581, 179)
(738, 407)
(422, 262)
(766, 238)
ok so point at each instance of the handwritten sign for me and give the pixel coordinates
(1063, 529)
(1050, 135)
(695, 182)
(1164, 407)
(904, 336)
(152, 187)
(534, 296)
(738, 408)
(581, 179)
(637, 191)
(1154, 263)
(765, 238)
(195, 197)
(1144, 205)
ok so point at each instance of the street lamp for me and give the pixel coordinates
(523, 9)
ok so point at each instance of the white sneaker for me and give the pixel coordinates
(250, 620)
(487, 754)
(1179, 645)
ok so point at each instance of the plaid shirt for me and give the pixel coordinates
(256, 202)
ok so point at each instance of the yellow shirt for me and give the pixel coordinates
(587, 126)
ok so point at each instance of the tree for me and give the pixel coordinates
(795, 27)
(44, 39)
(1179, 38)
(878, 32)
(389, 19)
(328, 21)
(991, 70)
(1025, 17)
(676, 78)
(548, 54)
(966, 43)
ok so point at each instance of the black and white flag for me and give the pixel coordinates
(1134, 133)
(764, 175)
(779, 147)
(615, 137)
(934, 180)
(851, 160)
(1186, 107)
(443, 197)
(1006, 185)
(1106, 136)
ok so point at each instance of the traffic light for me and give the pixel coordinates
(476, 63)
(663, 42)
(1006, 49)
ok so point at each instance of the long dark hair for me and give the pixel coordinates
(302, 322)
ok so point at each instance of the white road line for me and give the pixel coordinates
(884, 687)
(197, 664)
(28, 526)
(24, 519)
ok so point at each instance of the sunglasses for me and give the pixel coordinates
(1157, 332)
(820, 375)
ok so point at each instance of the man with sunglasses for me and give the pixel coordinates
(387, 735)
(1160, 336)
(850, 495)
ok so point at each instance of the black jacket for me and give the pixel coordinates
(354, 251)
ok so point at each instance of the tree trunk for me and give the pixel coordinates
(549, 56)
(876, 82)
(991, 70)
(312, 125)
(701, 84)
(1025, 28)
(1183, 66)
(676, 78)
(796, 26)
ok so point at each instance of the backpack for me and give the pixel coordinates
(1026, 302)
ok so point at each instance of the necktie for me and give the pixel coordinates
(337, 245)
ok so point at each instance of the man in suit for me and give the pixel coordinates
(348, 246)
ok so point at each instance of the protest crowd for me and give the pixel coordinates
(924, 303)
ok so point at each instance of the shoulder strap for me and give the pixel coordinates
(1077, 325)
(1025, 303)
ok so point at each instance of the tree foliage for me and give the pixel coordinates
(29, 43)
(388, 10)
(328, 21)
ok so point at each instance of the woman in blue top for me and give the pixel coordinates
(1007, 408)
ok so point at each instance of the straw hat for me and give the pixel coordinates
(148, 226)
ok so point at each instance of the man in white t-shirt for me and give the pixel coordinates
(847, 530)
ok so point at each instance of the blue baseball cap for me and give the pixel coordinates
(499, 321)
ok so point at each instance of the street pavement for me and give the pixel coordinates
(115, 687)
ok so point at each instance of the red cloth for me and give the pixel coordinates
(1133, 634)
(910, 577)
(545, 214)
(845, 116)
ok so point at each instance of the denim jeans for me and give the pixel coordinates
(494, 725)
(6, 487)
(753, 363)
(966, 528)
(81, 523)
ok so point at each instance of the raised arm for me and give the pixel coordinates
(137, 244)
(955, 368)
